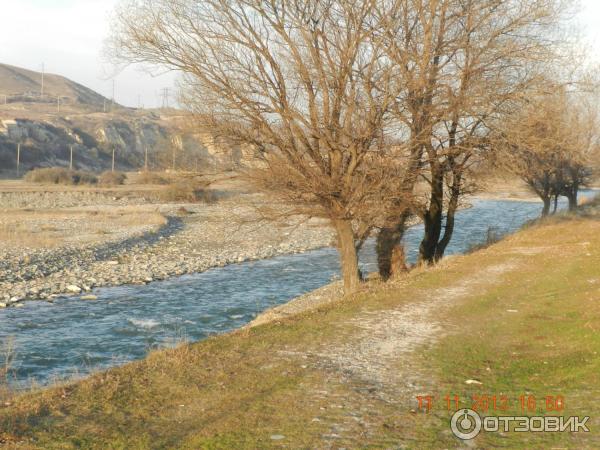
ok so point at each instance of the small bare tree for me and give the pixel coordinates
(550, 144)
(579, 160)
(306, 83)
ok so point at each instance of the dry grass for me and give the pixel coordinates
(7, 355)
(152, 178)
(109, 178)
(60, 175)
(53, 228)
(187, 191)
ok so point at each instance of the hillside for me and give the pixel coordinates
(94, 127)
(518, 320)
(25, 85)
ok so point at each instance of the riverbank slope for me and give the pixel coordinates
(520, 318)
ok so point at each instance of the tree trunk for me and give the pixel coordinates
(452, 207)
(546, 210)
(389, 237)
(433, 217)
(572, 196)
(555, 204)
(348, 255)
(387, 240)
(398, 261)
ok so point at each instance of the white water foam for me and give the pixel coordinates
(144, 323)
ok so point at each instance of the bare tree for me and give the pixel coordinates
(551, 144)
(466, 63)
(579, 160)
(305, 83)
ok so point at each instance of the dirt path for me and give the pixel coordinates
(379, 354)
(382, 350)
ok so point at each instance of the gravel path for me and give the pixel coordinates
(195, 238)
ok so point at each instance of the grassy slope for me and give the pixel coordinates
(239, 390)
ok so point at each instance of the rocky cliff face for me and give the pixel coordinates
(70, 115)
(46, 143)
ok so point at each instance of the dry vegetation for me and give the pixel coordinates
(53, 228)
(59, 175)
(187, 192)
(152, 178)
(109, 178)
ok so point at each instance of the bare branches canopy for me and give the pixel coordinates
(349, 104)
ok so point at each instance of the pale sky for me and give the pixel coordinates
(68, 35)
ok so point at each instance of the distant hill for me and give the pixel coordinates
(22, 85)
(45, 130)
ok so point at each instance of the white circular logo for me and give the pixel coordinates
(465, 424)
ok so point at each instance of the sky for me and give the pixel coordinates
(67, 36)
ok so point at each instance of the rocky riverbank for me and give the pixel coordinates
(194, 238)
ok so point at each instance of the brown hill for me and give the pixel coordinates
(22, 85)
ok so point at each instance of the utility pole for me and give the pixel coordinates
(173, 158)
(146, 159)
(71, 161)
(43, 70)
(58, 103)
(165, 97)
(104, 109)
(113, 159)
(18, 159)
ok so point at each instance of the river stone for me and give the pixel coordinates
(88, 297)
(2, 305)
(74, 288)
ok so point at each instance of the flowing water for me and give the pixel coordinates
(72, 337)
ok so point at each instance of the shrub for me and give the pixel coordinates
(493, 236)
(187, 192)
(60, 175)
(109, 178)
(151, 178)
(80, 177)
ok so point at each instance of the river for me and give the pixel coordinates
(71, 337)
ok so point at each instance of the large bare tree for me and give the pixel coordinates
(466, 62)
(306, 83)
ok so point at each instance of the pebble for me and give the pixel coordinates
(208, 238)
